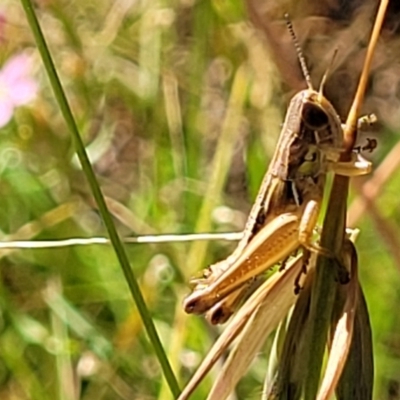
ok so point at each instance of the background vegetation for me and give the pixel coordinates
(179, 104)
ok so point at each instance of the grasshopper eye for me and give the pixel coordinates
(314, 117)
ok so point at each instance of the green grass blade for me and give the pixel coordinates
(324, 286)
(95, 188)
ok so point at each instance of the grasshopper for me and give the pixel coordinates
(286, 209)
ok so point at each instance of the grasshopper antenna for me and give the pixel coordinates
(328, 70)
(300, 55)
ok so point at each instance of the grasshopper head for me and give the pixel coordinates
(318, 136)
(319, 116)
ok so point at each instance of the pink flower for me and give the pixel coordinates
(17, 87)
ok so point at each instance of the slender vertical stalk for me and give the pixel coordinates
(97, 194)
(332, 235)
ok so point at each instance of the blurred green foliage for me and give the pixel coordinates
(179, 105)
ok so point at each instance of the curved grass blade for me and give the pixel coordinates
(346, 302)
(357, 377)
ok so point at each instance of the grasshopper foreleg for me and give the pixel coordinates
(357, 166)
